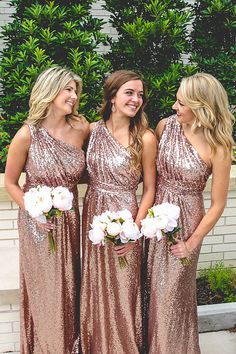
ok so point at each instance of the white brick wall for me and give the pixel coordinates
(9, 328)
(5, 13)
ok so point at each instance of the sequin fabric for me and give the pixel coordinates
(110, 296)
(182, 176)
(49, 282)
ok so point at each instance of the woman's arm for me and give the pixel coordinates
(221, 164)
(149, 185)
(149, 175)
(17, 155)
(160, 127)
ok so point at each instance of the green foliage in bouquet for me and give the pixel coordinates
(45, 33)
(214, 42)
(152, 37)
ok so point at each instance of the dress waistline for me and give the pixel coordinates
(176, 187)
(111, 188)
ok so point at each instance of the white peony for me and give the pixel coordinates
(96, 235)
(172, 223)
(45, 196)
(106, 217)
(149, 227)
(125, 214)
(158, 234)
(62, 198)
(130, 231)
(37, 201)
(98, 224)
(113, 228)
(161, 221)
(170, 210)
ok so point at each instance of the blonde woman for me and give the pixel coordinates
(120, 149)
(193, 144)
(49, 149)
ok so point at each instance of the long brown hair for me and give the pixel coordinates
(139, 123)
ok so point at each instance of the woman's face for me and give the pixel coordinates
(129, 98)
(184, 113)
(65, 100)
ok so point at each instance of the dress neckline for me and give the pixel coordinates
(193, 148)
(61, 141)
(113, 138)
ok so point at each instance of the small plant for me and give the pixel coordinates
(221, 281)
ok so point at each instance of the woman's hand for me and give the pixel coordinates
(48, 226)
(122, 250)
(180, 250)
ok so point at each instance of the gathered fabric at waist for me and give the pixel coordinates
(27, 186)
(179, 188)
(111, 188)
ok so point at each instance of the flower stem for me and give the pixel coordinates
(123, 262)
(185, 261)
(52, 243)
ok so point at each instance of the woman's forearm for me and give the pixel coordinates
(205, 226)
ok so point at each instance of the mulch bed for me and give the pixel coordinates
(204, 294)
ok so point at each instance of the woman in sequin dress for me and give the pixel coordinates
(192, 144)
(120, 149)
(49, 149)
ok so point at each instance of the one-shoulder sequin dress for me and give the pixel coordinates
(110, 297)
(49, 283)
(182, 176)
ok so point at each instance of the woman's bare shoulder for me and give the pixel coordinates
(160, 127)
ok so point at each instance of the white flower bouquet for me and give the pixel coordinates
(161, 221)
(42, 203)
(116, 227)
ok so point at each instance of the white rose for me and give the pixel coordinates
(62, 198)
(125, 214)
(113, 228)
(130, 230)
(96, 236)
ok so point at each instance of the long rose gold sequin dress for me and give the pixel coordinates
(182, 176)
(49, 282)
(110, 297)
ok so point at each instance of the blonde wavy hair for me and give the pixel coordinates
(138, 124)
(208, 100)
(46, 88)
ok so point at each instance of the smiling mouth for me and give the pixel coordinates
(132, 107)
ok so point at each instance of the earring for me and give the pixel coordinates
(113, 107)
(199, 124)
